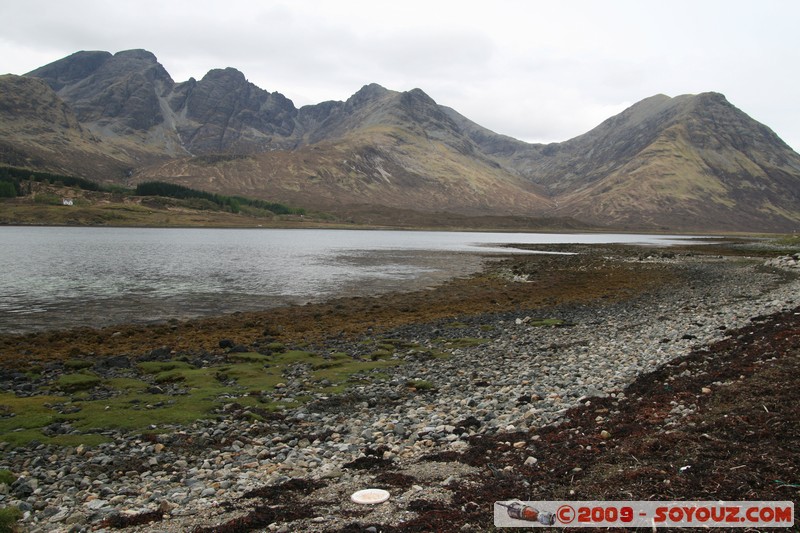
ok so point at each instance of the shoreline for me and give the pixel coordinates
(78, 302)
(487, 286)
(612, 319)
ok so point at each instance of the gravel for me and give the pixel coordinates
(523, 377)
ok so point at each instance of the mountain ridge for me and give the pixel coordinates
(690, 162)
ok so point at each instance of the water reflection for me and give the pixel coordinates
(68, 277)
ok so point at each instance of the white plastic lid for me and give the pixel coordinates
(370, 496)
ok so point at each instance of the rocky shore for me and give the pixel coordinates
(509, 377)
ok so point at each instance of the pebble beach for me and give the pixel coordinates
(456, 378)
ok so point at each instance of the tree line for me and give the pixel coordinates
(232, 203)
(12, 178)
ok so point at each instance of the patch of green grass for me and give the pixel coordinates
(424, 353)
(248, 357)
(379, 376)
(6, 477)
(77, 382)
(255, 375)
(549, 322)
(386, 347)
(254, 417)
(32, 412)
(126, 384)
(399, 343)
(8, 517)
(293, 356)
(203, 391)
(47, 199)
(381, 354)
(788, 240)
(251, 371)
(77, 364)
(121, 413)
(25, 436)
(327, 364)
(170, 376)
(286, 404)
(341, 373)
(157, 367)
(73, 441)
(463, 342)
(420, 384)
(276, 347)
(251, 400)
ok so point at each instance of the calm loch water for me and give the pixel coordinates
(62, 277)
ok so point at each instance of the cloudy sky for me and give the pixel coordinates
(540, 71)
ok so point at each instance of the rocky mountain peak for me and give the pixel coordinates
(419, 109)
(88, 68)
(119, 91)
(137, 54)
(71, 69)
(418, 95)
(710, 97)
(689, 161)
(224, 111)
(421, 106)
(716, 126)
(367, 93)
(134, 63)
(225, 75)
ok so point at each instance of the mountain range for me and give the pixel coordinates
(687, 163)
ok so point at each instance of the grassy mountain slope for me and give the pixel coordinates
(379, 165)
(692, 162)
(707, 166)
(38, 130)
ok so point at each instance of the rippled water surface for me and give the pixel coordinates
(58, 277)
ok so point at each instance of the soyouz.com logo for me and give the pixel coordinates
(516, 513)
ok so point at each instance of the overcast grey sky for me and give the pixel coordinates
(540, 71)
